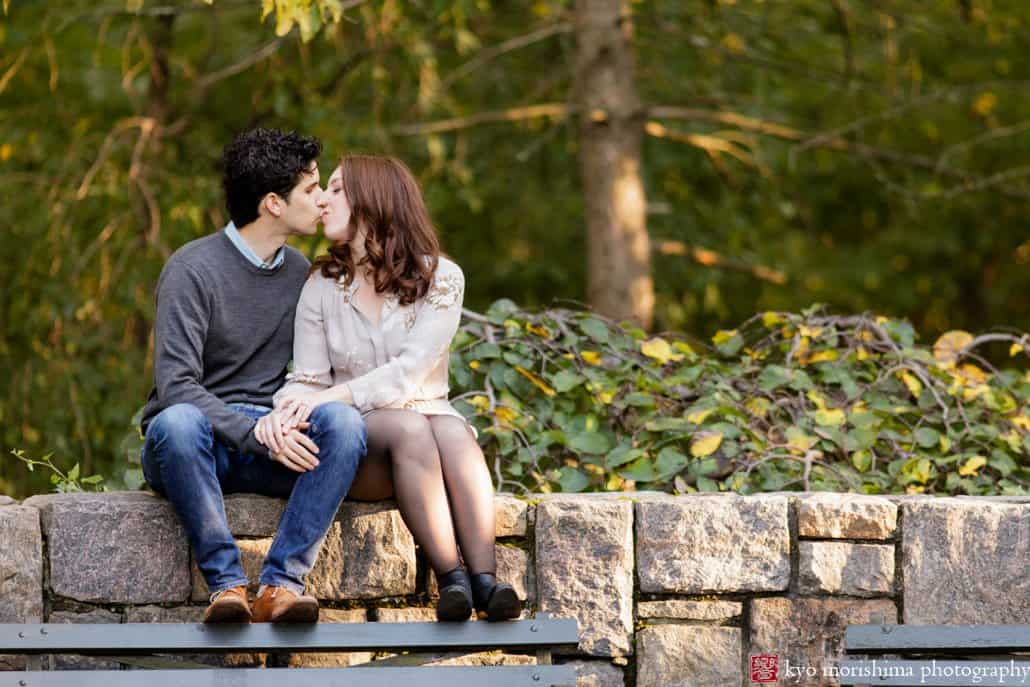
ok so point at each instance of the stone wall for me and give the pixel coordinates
(668, 590)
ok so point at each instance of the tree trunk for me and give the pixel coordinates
(610, 133)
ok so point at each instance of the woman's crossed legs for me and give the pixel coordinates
(435, 469)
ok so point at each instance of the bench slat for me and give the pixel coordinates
(905, 673)
(131, 639)
(443, 676)
(967, 639)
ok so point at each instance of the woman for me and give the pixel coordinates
(373, 329)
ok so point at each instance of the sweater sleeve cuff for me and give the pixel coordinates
(252, 445)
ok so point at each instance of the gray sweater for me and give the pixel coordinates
(223, 334)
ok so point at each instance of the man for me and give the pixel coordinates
(223, 337)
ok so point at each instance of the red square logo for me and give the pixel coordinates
(765, 668)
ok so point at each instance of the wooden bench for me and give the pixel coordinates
(137, 644)
(936, 655)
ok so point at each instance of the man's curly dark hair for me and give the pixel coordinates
(263, 161)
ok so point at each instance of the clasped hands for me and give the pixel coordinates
(282, 432)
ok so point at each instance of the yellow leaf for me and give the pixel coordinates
(799, 441)
(6, 150)
(506, 416)
(913, 384)
(1022, 422)
(867, 336)
(539, 330)
(915, 489)
(770, 319)
(972, 466)
(813, 332)
(512, 324)
(480, 403)
(758, 407)
(266, 8)
(606, 397)
(591, 357)
(537, 382)
(985, 103)
(659, 349)
(698, 416)
(705, 444)
(829, 417)
(733, 42)
(817, 399)
(947, 348)
(724, 335)
(474, 364)
(683, 347)
(945, 443)
(1014, 349)
(823, 356)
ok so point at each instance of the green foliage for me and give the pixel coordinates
(567, 401)
(62, 482)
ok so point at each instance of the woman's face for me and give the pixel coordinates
(336, 218)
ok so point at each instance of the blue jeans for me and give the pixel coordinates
(184, 461)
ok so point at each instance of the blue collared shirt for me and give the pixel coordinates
(234, 235)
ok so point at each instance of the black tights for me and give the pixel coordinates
(436, 470)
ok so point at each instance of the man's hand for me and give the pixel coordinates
(299, 451)
(268, 432)
(287, 445)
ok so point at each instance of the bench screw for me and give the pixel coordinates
(22, 683)
(536, 677)
(532, 628)
(21, 635)
(42, 631)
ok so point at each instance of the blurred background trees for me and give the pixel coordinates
(682, 163)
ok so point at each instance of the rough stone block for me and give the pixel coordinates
(191, 614)
(703, 544)
(252, 555)
(810, 632)
(688, 656)
(7, 500)
(689, 610)
(510, 516)
(21, 565)
(406, 615)
(846, 516)
(336, 659)
(965, 560)
(597, 674)
(841, 568)
(368, 553)
(584, 563)
(72, 662)
(21, 572)
(121, 547)
(251, 515)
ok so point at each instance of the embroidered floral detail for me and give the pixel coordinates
(303, 378)
(445, 292)
(409, 318)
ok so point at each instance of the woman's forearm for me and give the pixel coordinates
(339, 392)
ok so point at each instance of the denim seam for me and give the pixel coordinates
(239, 583)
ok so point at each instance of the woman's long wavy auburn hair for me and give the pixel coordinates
(401, 246)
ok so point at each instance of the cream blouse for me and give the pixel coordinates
(402, 363)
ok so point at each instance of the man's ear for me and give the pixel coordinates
(272, 204)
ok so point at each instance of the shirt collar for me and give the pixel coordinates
(237, 240)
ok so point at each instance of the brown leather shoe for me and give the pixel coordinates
(228, 606)
(280, 605)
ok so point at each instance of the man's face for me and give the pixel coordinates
(303, 209)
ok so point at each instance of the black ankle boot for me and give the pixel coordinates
(455, 602)
(495, 600)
